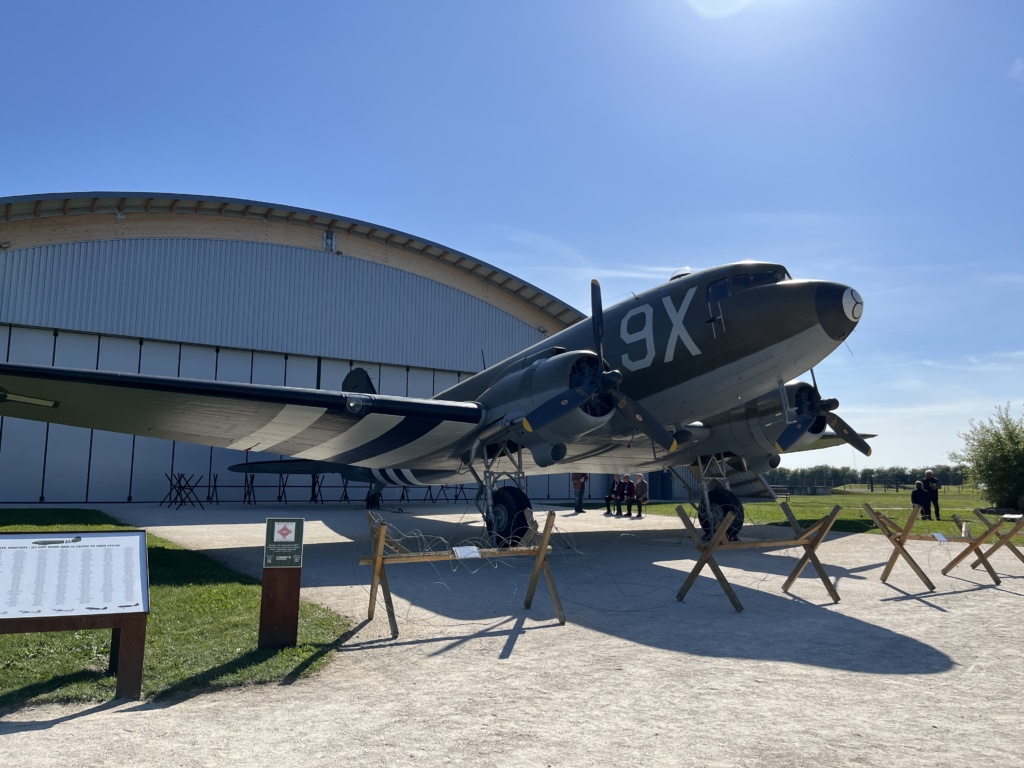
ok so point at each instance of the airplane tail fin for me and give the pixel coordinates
(358, 380)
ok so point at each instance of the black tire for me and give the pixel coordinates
(508, 525)
(373, 499)
(722, 503)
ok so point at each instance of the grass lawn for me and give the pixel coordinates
(853, 518)
(202, 632)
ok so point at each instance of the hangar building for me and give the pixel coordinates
(233, 290)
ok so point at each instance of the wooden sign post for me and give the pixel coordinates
(282, 579)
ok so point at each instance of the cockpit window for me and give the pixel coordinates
(770, 277)
(718, 291)
(739, 282)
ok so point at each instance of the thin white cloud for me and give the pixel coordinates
(1016, 72)
(971, 366)
(801, 219)
(542, 243)
(1002, 278)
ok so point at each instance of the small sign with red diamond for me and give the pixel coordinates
(284, 543)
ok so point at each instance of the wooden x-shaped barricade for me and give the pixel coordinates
(382, 541)
(992, 531)
(898, 537)
(809, 538)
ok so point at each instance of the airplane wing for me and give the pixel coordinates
(352, 428)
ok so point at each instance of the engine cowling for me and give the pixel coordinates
(526, 389)
(752, 429)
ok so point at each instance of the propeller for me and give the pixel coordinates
(811, 406)
(599, 386)
(847, 433)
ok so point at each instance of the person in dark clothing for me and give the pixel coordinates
(919, 498)
(931, 487)
(642, 495)
(613, 493)
(628, 494)
(579, 485)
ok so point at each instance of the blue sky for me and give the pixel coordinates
(872, 142)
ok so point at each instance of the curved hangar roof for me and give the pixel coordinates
(27, 221)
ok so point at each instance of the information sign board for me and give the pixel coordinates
(283, 547)
(73, 574)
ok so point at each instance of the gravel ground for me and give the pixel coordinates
(891, 675)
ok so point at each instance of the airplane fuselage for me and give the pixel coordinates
(707, 341)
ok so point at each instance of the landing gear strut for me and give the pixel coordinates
(715, 502)
(506, 509)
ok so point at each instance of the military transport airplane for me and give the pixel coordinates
(690, 372)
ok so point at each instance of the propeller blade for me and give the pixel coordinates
(795, 431)
(643, 421)
(556, 407)
(847, 433)
(597, 318)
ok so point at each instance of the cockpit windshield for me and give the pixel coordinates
(746, 280)
(742, 280)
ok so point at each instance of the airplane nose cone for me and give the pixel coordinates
(839, 309)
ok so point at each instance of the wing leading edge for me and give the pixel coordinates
(351, 428)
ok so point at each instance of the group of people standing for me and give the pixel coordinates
(621, 491)
(926, 495)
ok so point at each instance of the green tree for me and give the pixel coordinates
(994, 454)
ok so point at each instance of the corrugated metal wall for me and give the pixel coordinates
(229, 311)
(255, 296)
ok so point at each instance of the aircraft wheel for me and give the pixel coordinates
(373, 499)
(508, 517)
(722, 503)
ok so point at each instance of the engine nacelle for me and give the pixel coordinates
(752, 429)
(528, 388)
(546, 454)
